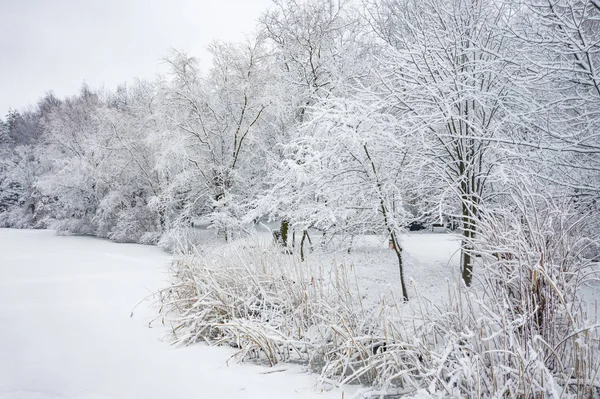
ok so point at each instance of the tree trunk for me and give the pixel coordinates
(467, 264)
(162, 220)
(398, 251)
(285, 224)
(469, 229)
(387, 224)
(304, 235)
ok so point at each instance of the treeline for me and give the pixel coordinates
(347, 117)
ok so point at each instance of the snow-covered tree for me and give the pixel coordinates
(355, 169)
(315, 45)
(216, 120)
(452, 78)
(22, 162)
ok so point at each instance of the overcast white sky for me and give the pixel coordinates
(57, 44)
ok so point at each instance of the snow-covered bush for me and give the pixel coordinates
(123, 217)
(523, 331)
(255, 299)
(183, 240)
(274, 307)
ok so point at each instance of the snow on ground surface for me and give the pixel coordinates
(430, 261)
(66, 330)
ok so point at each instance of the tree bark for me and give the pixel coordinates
(469, 226)
(304, 235)
(285, 224)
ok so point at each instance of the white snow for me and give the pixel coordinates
(66, 330)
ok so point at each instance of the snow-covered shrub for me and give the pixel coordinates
(184, 240)
(16, 217)
(480, 347)
(254, 299)
(274, 307)
(523, 331)
(123, 217)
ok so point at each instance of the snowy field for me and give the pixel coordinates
(66, 330)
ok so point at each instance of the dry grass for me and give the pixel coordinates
(521, 333)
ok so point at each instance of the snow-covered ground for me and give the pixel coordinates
(66, 329)
(430, 260)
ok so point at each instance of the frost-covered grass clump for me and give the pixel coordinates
(272, 306)
(520, 332)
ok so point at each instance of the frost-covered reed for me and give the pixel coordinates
(521, 331)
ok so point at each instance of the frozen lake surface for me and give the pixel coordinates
(66, 330)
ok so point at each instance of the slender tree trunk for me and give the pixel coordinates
(467, 265)
(304, 235)
(162, 220)
(388, 226)
(398, 251)
(285, 224)
(469, 225)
